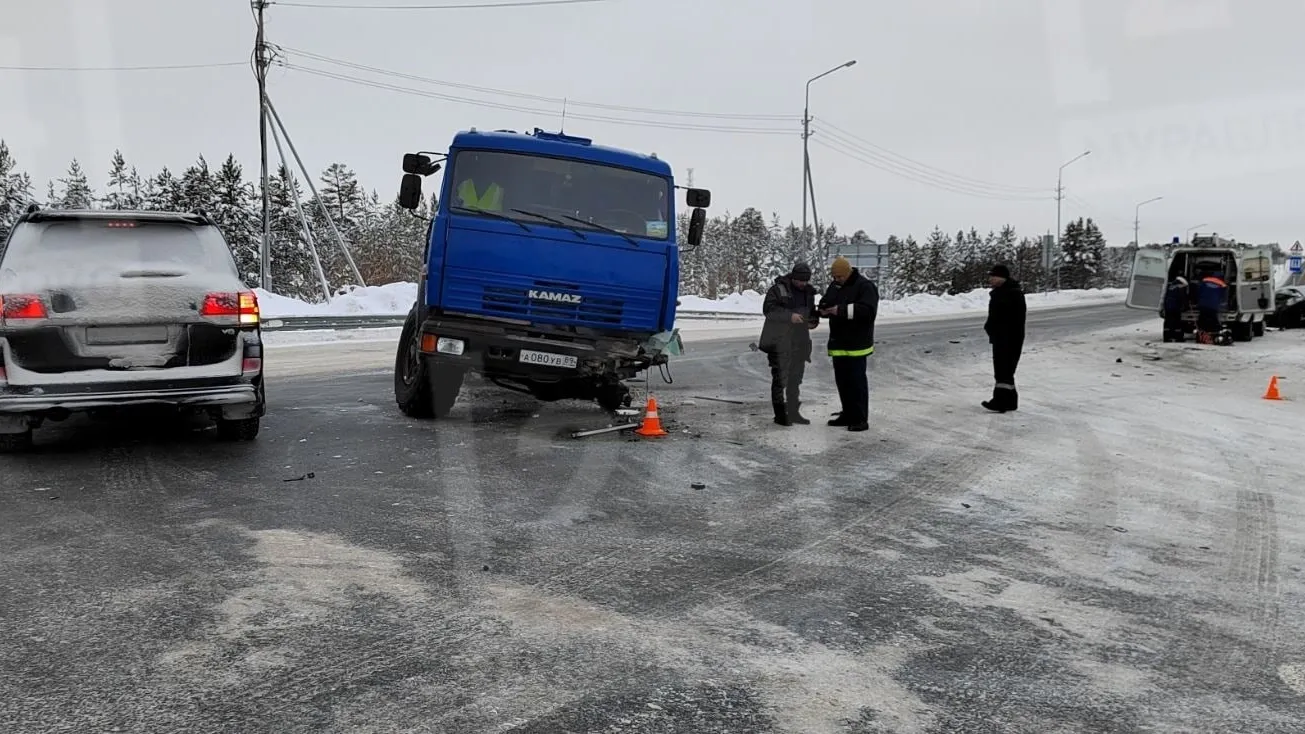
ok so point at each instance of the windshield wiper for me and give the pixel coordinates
(495, 215)
(605, 228)
(547, 218)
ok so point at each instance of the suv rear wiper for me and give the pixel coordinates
(605, 228)
(547, 218)
(495, 215)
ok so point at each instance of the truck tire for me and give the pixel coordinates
(612, 398)
(412, 385)
(1242, 331)
(1258, 328)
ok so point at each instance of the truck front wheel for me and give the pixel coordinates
(613, 397)
(412, 385)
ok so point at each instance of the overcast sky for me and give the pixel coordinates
(970, 105)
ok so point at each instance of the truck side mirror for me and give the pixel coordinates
(410, 192)
(418, 164)
(697, 225)
(698, 198)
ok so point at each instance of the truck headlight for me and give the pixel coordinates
(454, 347)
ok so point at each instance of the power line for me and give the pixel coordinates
(666, 125)
(857, 142)
(454, 6)
(155, 67)
(539, 97)
(932, 180)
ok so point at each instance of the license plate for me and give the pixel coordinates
(547, 359)
(112, 335)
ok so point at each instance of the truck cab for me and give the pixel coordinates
(1248, 273)
(551, 268)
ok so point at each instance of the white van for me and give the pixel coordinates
(1248, 273)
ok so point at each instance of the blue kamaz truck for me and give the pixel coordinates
(551, 268)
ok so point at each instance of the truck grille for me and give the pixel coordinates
(515, 302)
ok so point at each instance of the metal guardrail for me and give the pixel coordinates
(342, 323)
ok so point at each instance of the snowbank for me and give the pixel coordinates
(396, 298)
(393, 299)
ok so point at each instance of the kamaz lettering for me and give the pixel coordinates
(552, 296)
(562, 210)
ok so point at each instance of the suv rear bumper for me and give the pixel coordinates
(90, 397)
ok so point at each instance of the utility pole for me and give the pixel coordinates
(806, 148)
(1060, 196)
(261, 62)
(1137, 219)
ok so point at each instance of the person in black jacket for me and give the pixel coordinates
(790, 311)
(1175, 304)
(851, 305)
(1005, 328)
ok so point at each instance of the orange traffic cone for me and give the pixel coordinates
(652, 424)
(1272, 393)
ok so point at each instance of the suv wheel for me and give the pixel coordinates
(244, 429)
(16, 443)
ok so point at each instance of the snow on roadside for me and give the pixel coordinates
(395, 299)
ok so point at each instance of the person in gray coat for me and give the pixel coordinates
(790, 311)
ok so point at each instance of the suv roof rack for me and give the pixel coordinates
(72, 215)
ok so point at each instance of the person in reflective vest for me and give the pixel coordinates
(1211, 297)
(851, 305)
(491, 200)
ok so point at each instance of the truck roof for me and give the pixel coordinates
(562, 146)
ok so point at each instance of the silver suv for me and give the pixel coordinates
(106, 309)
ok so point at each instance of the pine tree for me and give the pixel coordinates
(15, 191)
(119, 189)
(233, 210)
(77, 193)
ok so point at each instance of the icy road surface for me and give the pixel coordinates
(1123, 555)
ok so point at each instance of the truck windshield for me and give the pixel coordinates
(532, 188)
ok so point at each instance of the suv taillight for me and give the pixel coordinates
(241, 306)
(22, 306)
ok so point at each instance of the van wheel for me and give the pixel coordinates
(1258, 328)
(412, 389)
(16, 443)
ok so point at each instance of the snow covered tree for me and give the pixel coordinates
(76, 193)
(234, 211)
(15, 191)
(123, 191)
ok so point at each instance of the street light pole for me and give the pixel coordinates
(1060, 196)
(1192, 229)
(1137, 211)
(806, 135)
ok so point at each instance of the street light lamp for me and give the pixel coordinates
(1136, 217)
(806, 135)
(1060, 196)
(1192, 229)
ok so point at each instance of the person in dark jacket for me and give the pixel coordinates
(1176, 300)
(790, 311)
(1005, 329)
(851, 306)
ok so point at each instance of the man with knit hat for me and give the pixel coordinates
(1005, 329)
(851, 305)
(790, 311)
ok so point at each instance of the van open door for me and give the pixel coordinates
(1255, 281)
(1146, 287)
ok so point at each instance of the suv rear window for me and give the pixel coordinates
(116, 244)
